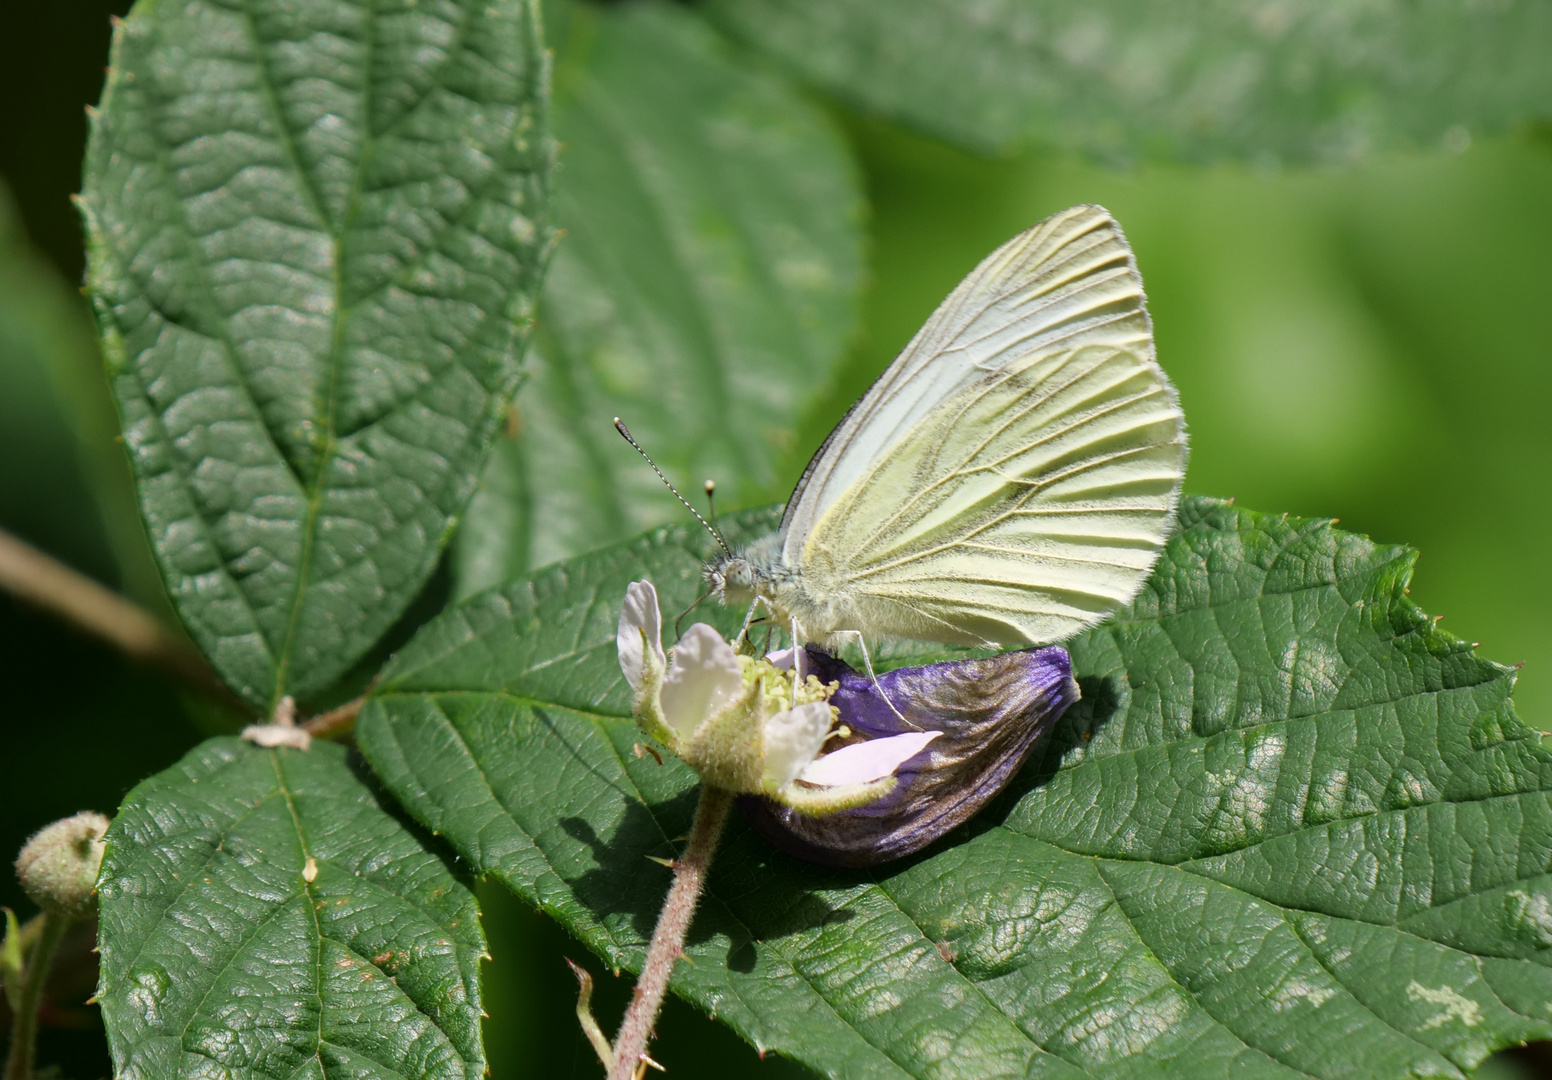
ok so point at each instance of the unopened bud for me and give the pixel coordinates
(58, 866)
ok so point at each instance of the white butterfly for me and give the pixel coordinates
(1008, 481)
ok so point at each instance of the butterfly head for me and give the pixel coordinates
(731, 578)
(736, 578)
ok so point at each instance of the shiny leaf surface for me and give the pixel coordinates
(1290, 830)
(265, 915)
(315, 233)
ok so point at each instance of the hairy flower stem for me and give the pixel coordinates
(673, 923)
(24, 1023)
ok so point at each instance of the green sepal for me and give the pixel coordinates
(728, 747)
(817, 802)
(647, 705)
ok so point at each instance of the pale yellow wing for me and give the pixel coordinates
(1031, 499)
(1069, 277)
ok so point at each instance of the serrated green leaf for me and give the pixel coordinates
(707, 285)
(263, 915)
(315, 231)
(1126, 81)
(1290, 830)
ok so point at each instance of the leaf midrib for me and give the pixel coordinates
(328, 442)
(594, 714)
(334, 360)
(282, 790)
(306, 895)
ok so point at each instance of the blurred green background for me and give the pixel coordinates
(1369, 343)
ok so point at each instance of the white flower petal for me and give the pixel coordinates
(781, 659)
(703, 680)
(792, 738)
(640, 613)
(864, 762)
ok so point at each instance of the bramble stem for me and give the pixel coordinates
(46, 582)
(24, 1023)
(673, 923)
(336, 722)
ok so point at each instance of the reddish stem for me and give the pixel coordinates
(335, 722)
(673, 923)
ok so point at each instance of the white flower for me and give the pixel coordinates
(704, 679)
(793, 737)
(744, 724)
(641, 628)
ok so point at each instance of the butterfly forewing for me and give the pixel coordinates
(1026, 492)
(1070, 275)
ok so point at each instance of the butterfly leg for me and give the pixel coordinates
(743, 632)
(798, 655)
(867, 664)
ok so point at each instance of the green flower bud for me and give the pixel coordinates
(58, 866)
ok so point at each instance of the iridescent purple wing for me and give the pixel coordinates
(991, 712)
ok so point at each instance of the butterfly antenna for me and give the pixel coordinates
(686, 611)
(711, 501)
(619, 425)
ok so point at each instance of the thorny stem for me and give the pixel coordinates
(48, 583)
(673, 923)
(24, 1023)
